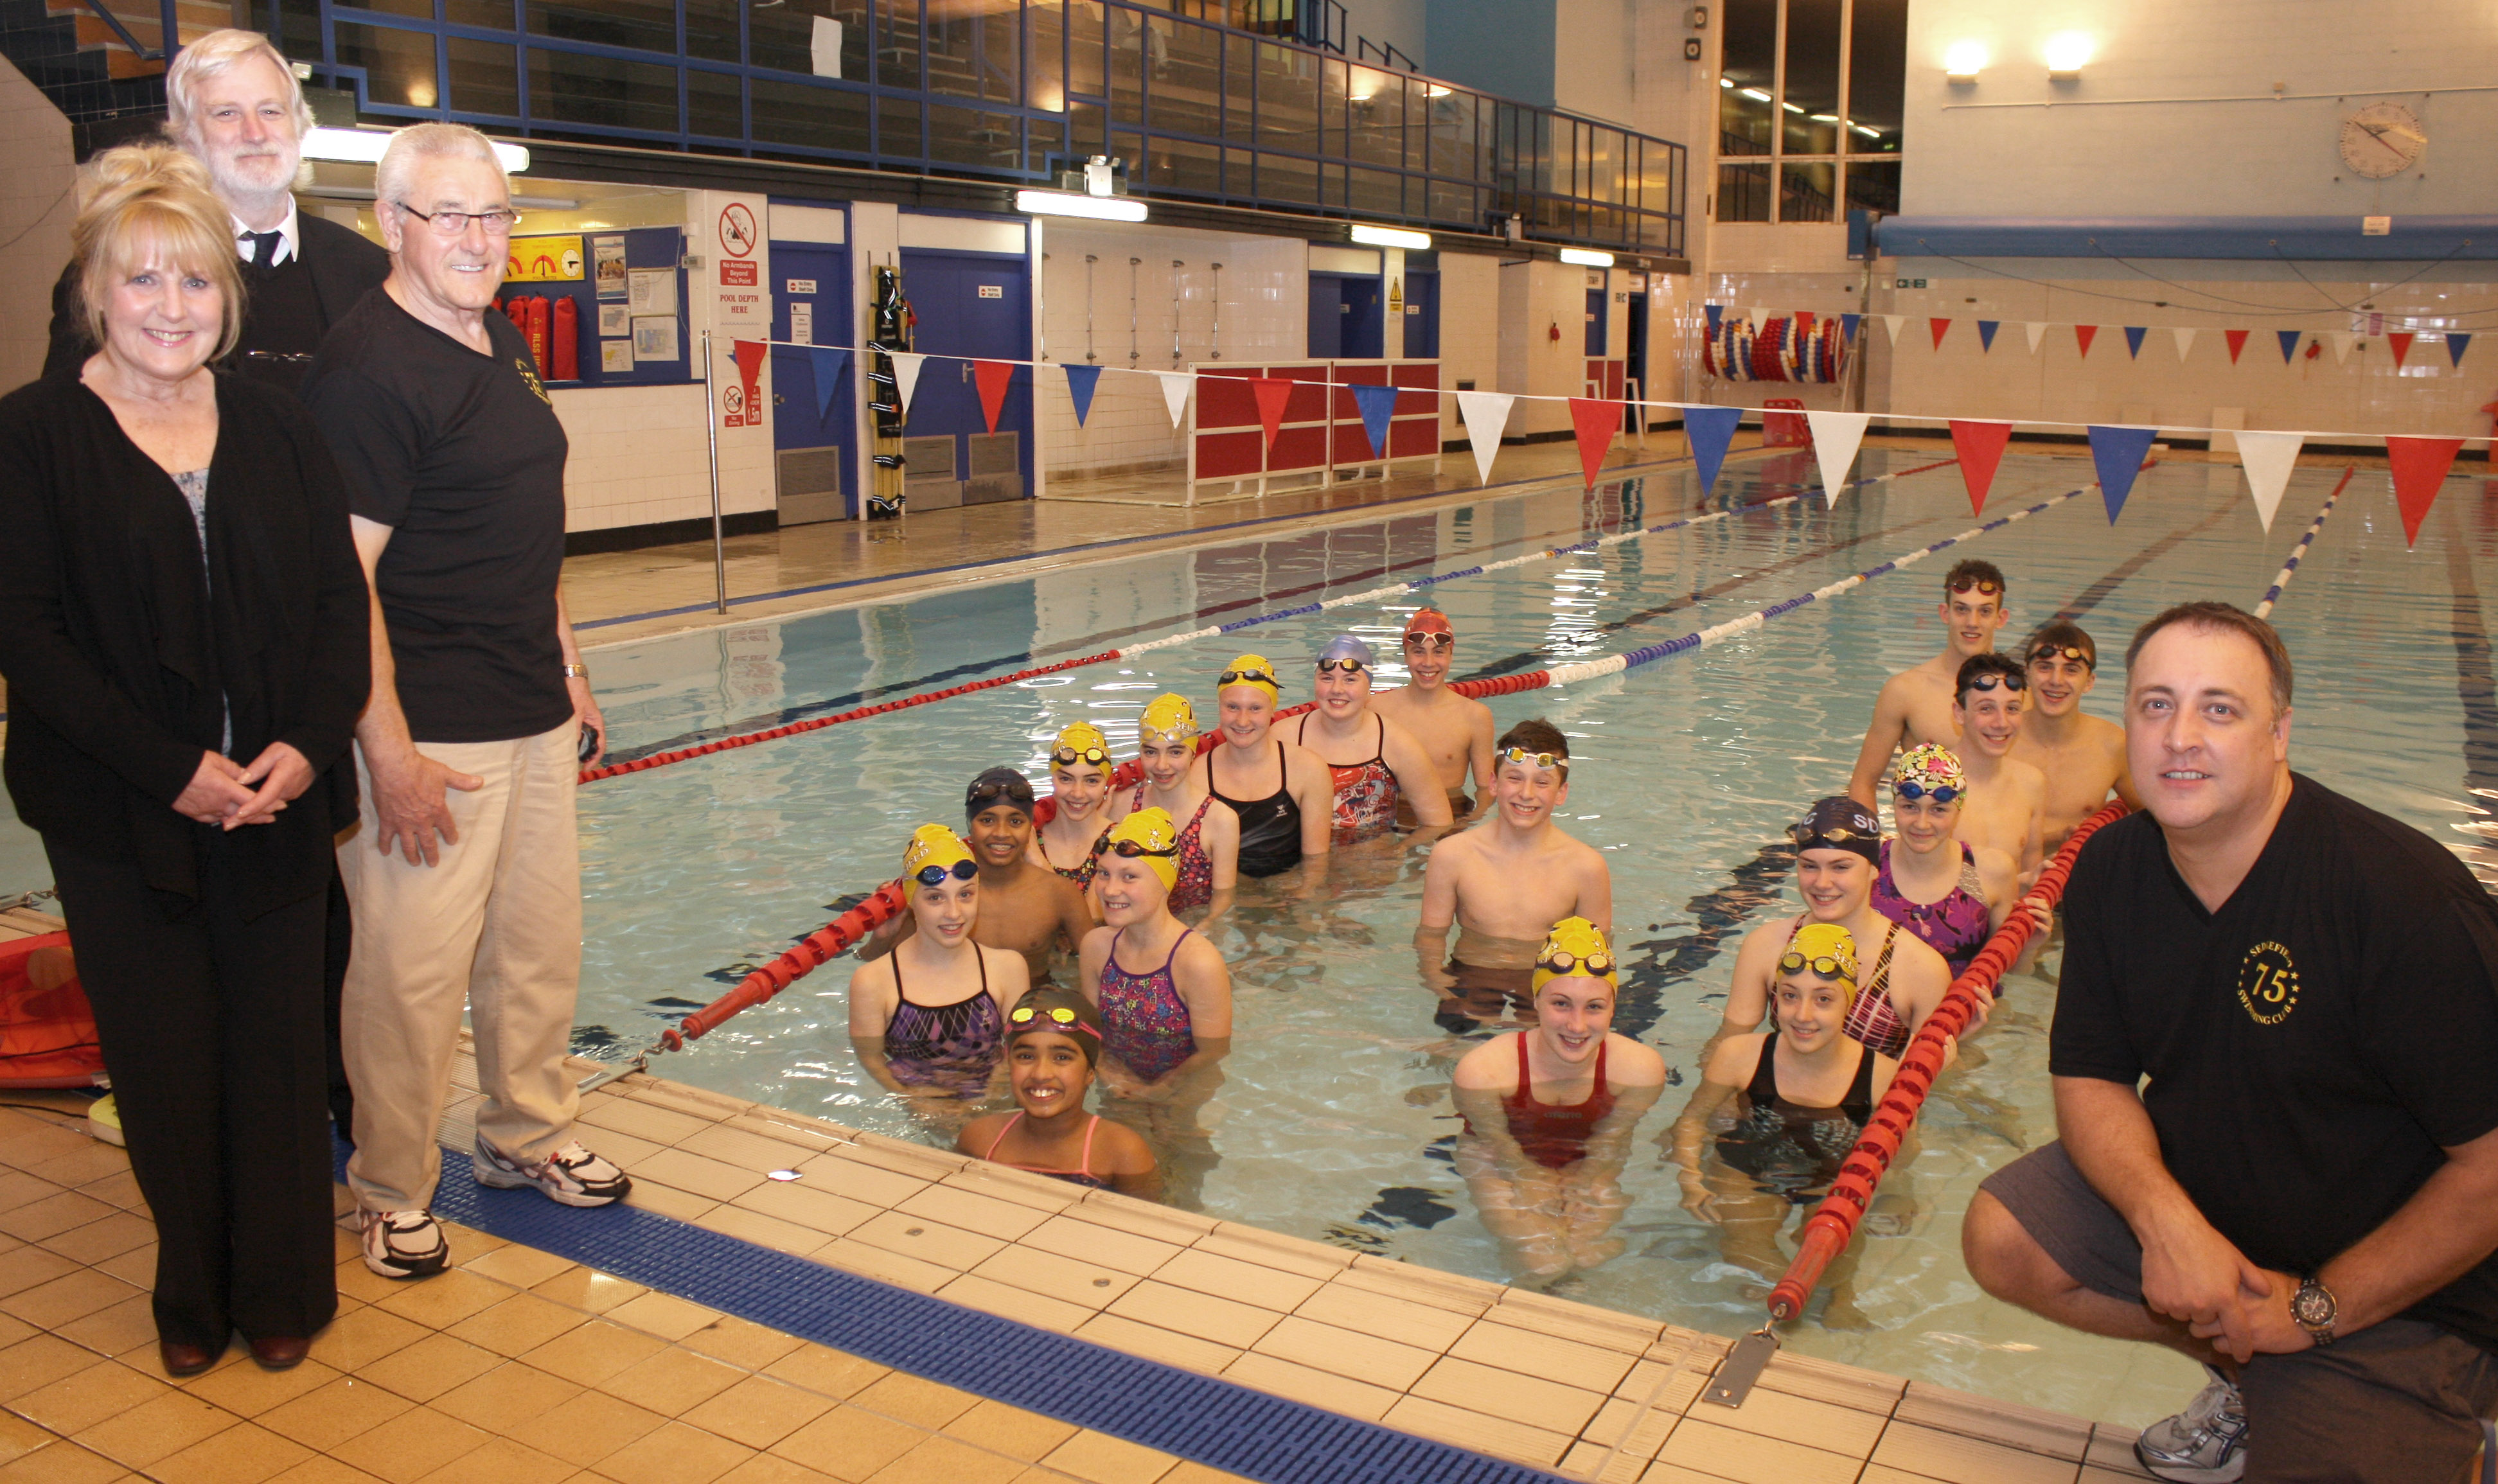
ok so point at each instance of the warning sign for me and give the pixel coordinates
(736, 235)
(736, 275)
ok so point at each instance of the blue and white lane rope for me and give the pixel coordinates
(2298, 553)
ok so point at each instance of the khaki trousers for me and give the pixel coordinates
(494, 928)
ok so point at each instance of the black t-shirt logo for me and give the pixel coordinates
(2268, 983)
(530, 375)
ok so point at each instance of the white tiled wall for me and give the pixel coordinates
(638, 458)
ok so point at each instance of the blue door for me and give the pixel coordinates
(1423, 315)
(972, 304)
(1345, 321)
(1595, 323)
(811, 299)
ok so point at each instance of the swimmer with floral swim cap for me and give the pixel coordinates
(1454, 731)
(928, 1018)
(1080, 787)
(1279, 790)
(1549, 1113)
(1210, 843)
(1952, 896)
(1053, 1044)
(1371, 761)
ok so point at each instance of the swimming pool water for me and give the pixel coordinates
(1333, 1121)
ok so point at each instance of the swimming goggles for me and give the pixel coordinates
(1826, 966)
(1067, 756)
(2073, 652)
(935, 875)
(1348, 665)
(1988, 681)
(1803, 834)
(1941, 793)
(1012, 790)
(1059, 1015)
(1977, 585)
(1540, 759)
(1562, 962)
(1132, 849)
(1442, 641)
(1248, 677)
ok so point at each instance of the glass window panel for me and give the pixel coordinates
(784, 36)
(1186, 77)
(414, 9)
(1658, 232)
(569, 88)
(1457, 147)
(398, 64)
(1045, 55)
(1877, 70)
(1808, 192)
(1128, 39)
(1374, 112)
(1130, 147)
(1873, 185)
(1045, 140)
(1287, 100)
(1600, 154)
(1240, 92)
(484, 76)
(897, 128)
(1742, 192)
(1084, 48)
(300, 29)
(1745, 100)
(1187, 167)
(1374, 192)
(1457, 205)
(971, 137)
(647, 25)
(1281, 177)
(815, 117)
(1331, 109)
(711, 29)
(1658, 186)
(897, 42)
(974, 49)
(713, 104)
(1810, 105)
(496, 15)
(1087, 124)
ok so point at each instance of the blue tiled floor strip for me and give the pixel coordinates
(1214, 1422)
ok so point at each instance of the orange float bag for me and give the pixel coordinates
(48, 1035)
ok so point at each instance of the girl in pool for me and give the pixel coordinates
(1801, 1095)
(1210, 843)
(1283, 796)
(1163, 990)
(1053, 1041)
(1549, 1113)
(928, 1018)
(1951, 896)
(1080, 786)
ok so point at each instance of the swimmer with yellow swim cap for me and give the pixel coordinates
(1454, 731)
(1210, 843)
(1162, 991)
(1373, 764)
(1025, 908)
(928, 1019)
(1549, 1113)
(1280, 792)
(1080, 783)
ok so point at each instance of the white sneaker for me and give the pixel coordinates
(405, 1244)
(2205, 1444)
(571, 1175)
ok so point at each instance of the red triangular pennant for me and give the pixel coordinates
(1271, 393)
(2418, 466)
(2237, 340)
(1980, 446)
(1596, 422)
(2402, 340)
(992, 377)
(748, 356)
(1941, 327)
(2085, 333)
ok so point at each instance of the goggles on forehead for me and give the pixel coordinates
(2073, 652)
(1538, 760)
(1804, 834)
(1431, 641)
(1057, 1018)
(1979, 585)
(935, 875)
(1941, 793)
(1015, 791)
(1826, 966)
(1132, 849)
(1561, 961)
(1989, 682)
(1067, 756)
(1248, 677)
(1348, 665)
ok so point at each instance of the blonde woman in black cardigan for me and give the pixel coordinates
(183, 630)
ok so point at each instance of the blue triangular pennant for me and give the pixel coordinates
(826, 364)
(1080, 382)
(1713, 310)
(1378, 404)
(1986, 329)
(2288, 343)
(2455, 341)
(2118, 454)
(1710, 430)
(2134, 335)
(1848, 324)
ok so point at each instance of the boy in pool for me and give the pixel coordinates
(1455, 730)
(1915, 705)
(1548, 1114)
(1502, 881)
(1053, 1044)
(1023, 909)
(2007, 798)
(2082, 756)
(1372, 764)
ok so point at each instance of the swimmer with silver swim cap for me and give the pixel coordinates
(1371, 761)
(1277, 789)
(1079, 789)
(1453, 732)
(927, 1018)
(1053, 1046)
(1210, 843)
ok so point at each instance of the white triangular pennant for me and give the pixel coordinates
(2185, 342)
(1834, 436)
(2341, 340)
(1485, 414)
(905, 375)
(1758, 314)
(1176, 385)
(1892, 323)
(2268, 458)
(2036, 329)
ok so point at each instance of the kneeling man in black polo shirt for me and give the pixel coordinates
(2276, 1067)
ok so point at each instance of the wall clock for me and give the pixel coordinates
(2382, 140)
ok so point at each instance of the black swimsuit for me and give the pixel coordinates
(1795, 1150)
(1270, 827)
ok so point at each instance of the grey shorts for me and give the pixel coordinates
(2400, 1401)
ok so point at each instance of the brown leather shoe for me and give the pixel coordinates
(281, 1352)
(186, 1358)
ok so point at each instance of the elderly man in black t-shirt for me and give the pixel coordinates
(2276, 1067)
(466, 752)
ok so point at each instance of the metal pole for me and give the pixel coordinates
(711, 441)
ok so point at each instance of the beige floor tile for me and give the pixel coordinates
(849, 1444)
(20, 1189)
(1825, 1425)
(748, 1225)
(905, 1156)
(14, 1329)
(242, 1454)
(674, 1453)
(649, 1195)
(1228, 1277)
(1648, 1431)
(853, 1179)
(320, 1469)
(746, 1150)
(519, 1266)
(812, 1135)
(1802, 1375)
(84, 1398)
(1076, 1235)
(36, 1362)
(1274, 1249)
(914, 1400)
(648, 1122)
(1748, 1458)
(2091, 1473)
(986, 1214)
(665, 1316)
(818, 1211)
(410, 1445)
(1040, 1192)
(73, 1295)
(1350, 1353)
(53, 1213)
(135, 1266)
(506, 1398)
(1531, 1400)
(1500, 1437)
(109, 1235)
(1535, 1353)
(758, 1411)
(593, 1352)
(20, 1438)
(326, 1416)
(62, 1463)
(355, 1280)
(1957, 1459)
(359, 1339)
(947, 1461)
(1107, 1460)
(156, 1430)
(119, 1191)
(821, 1369)
(1189, 1352)
(2027, 1428)
(1221, 1320)
(927, 1239)
(246, 1390)
(443, 1300)
(500, 1461)
(1584, 1323)
(672, 1381)
(586, 1288)
(740, 1343)
(1375, 1313)
(1143, 1219)
(852, 1256)
(116, 1329)
(1662, 1472)
(1011, 1431)
(772, 1468)
(515, 1326)
(1008, 1300)
(595, 1424)
(701, 1101)
(1420, 1285)
(2111, 1451)
(1316, 1387)
(1065, 1279)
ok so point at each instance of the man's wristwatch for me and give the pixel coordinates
(576, 672)
(2314, 1309)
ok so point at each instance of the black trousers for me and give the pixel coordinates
(214, 1033)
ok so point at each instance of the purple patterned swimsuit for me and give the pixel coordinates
(949, 1046)
(1196, 886)
(1956, 927)
(1145, 1022)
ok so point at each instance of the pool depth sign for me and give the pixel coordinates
(741, 309)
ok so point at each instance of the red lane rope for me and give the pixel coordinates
(1833, 1224)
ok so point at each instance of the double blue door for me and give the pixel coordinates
(970, 304)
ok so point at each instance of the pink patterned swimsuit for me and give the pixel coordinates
(1365, 793)
(1956, 926)
(1196, 886)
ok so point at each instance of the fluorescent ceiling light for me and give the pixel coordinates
(1391, 237)
(1069, 204)
(1756, 95)
(1725, 82)
(1825, 119)
(1587, 257)
(1790, 108)
(364, 146)
(1434, 90)
(1868, 132)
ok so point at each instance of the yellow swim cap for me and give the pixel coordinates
(934, 849)
(1081, 742)
(1167, 718)
(1250, 670)
(1575, 949)
(1827, 949)
(1149, 835)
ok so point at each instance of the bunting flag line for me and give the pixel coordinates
(2185, 342)
(992, 378)
(1709, 431)
(2117, 453)
(2288, 343)
(1986, 329)
(1892, 323)
(2402, 344)
(2455, 341)
(1271, 393)
(905, 375)
(1941, 328)
(1834, 439)
(2038, 330)
(2237, 340)
(1714, 311)
(2268, 458)
(2418, 466)
(1175, 392)
(825, 363)
(749, 357)
(1595, 423)
(1485, 414)
(1848, 324)
(2134, 335)
(1377, 404)
(1980, 446)
(2084, 335)
(2340, 340)
(1081, 382)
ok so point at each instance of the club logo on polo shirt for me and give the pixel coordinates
(2268, 983)
(530, 375)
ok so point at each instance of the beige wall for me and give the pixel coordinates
(36, 172)
(1469, 331)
